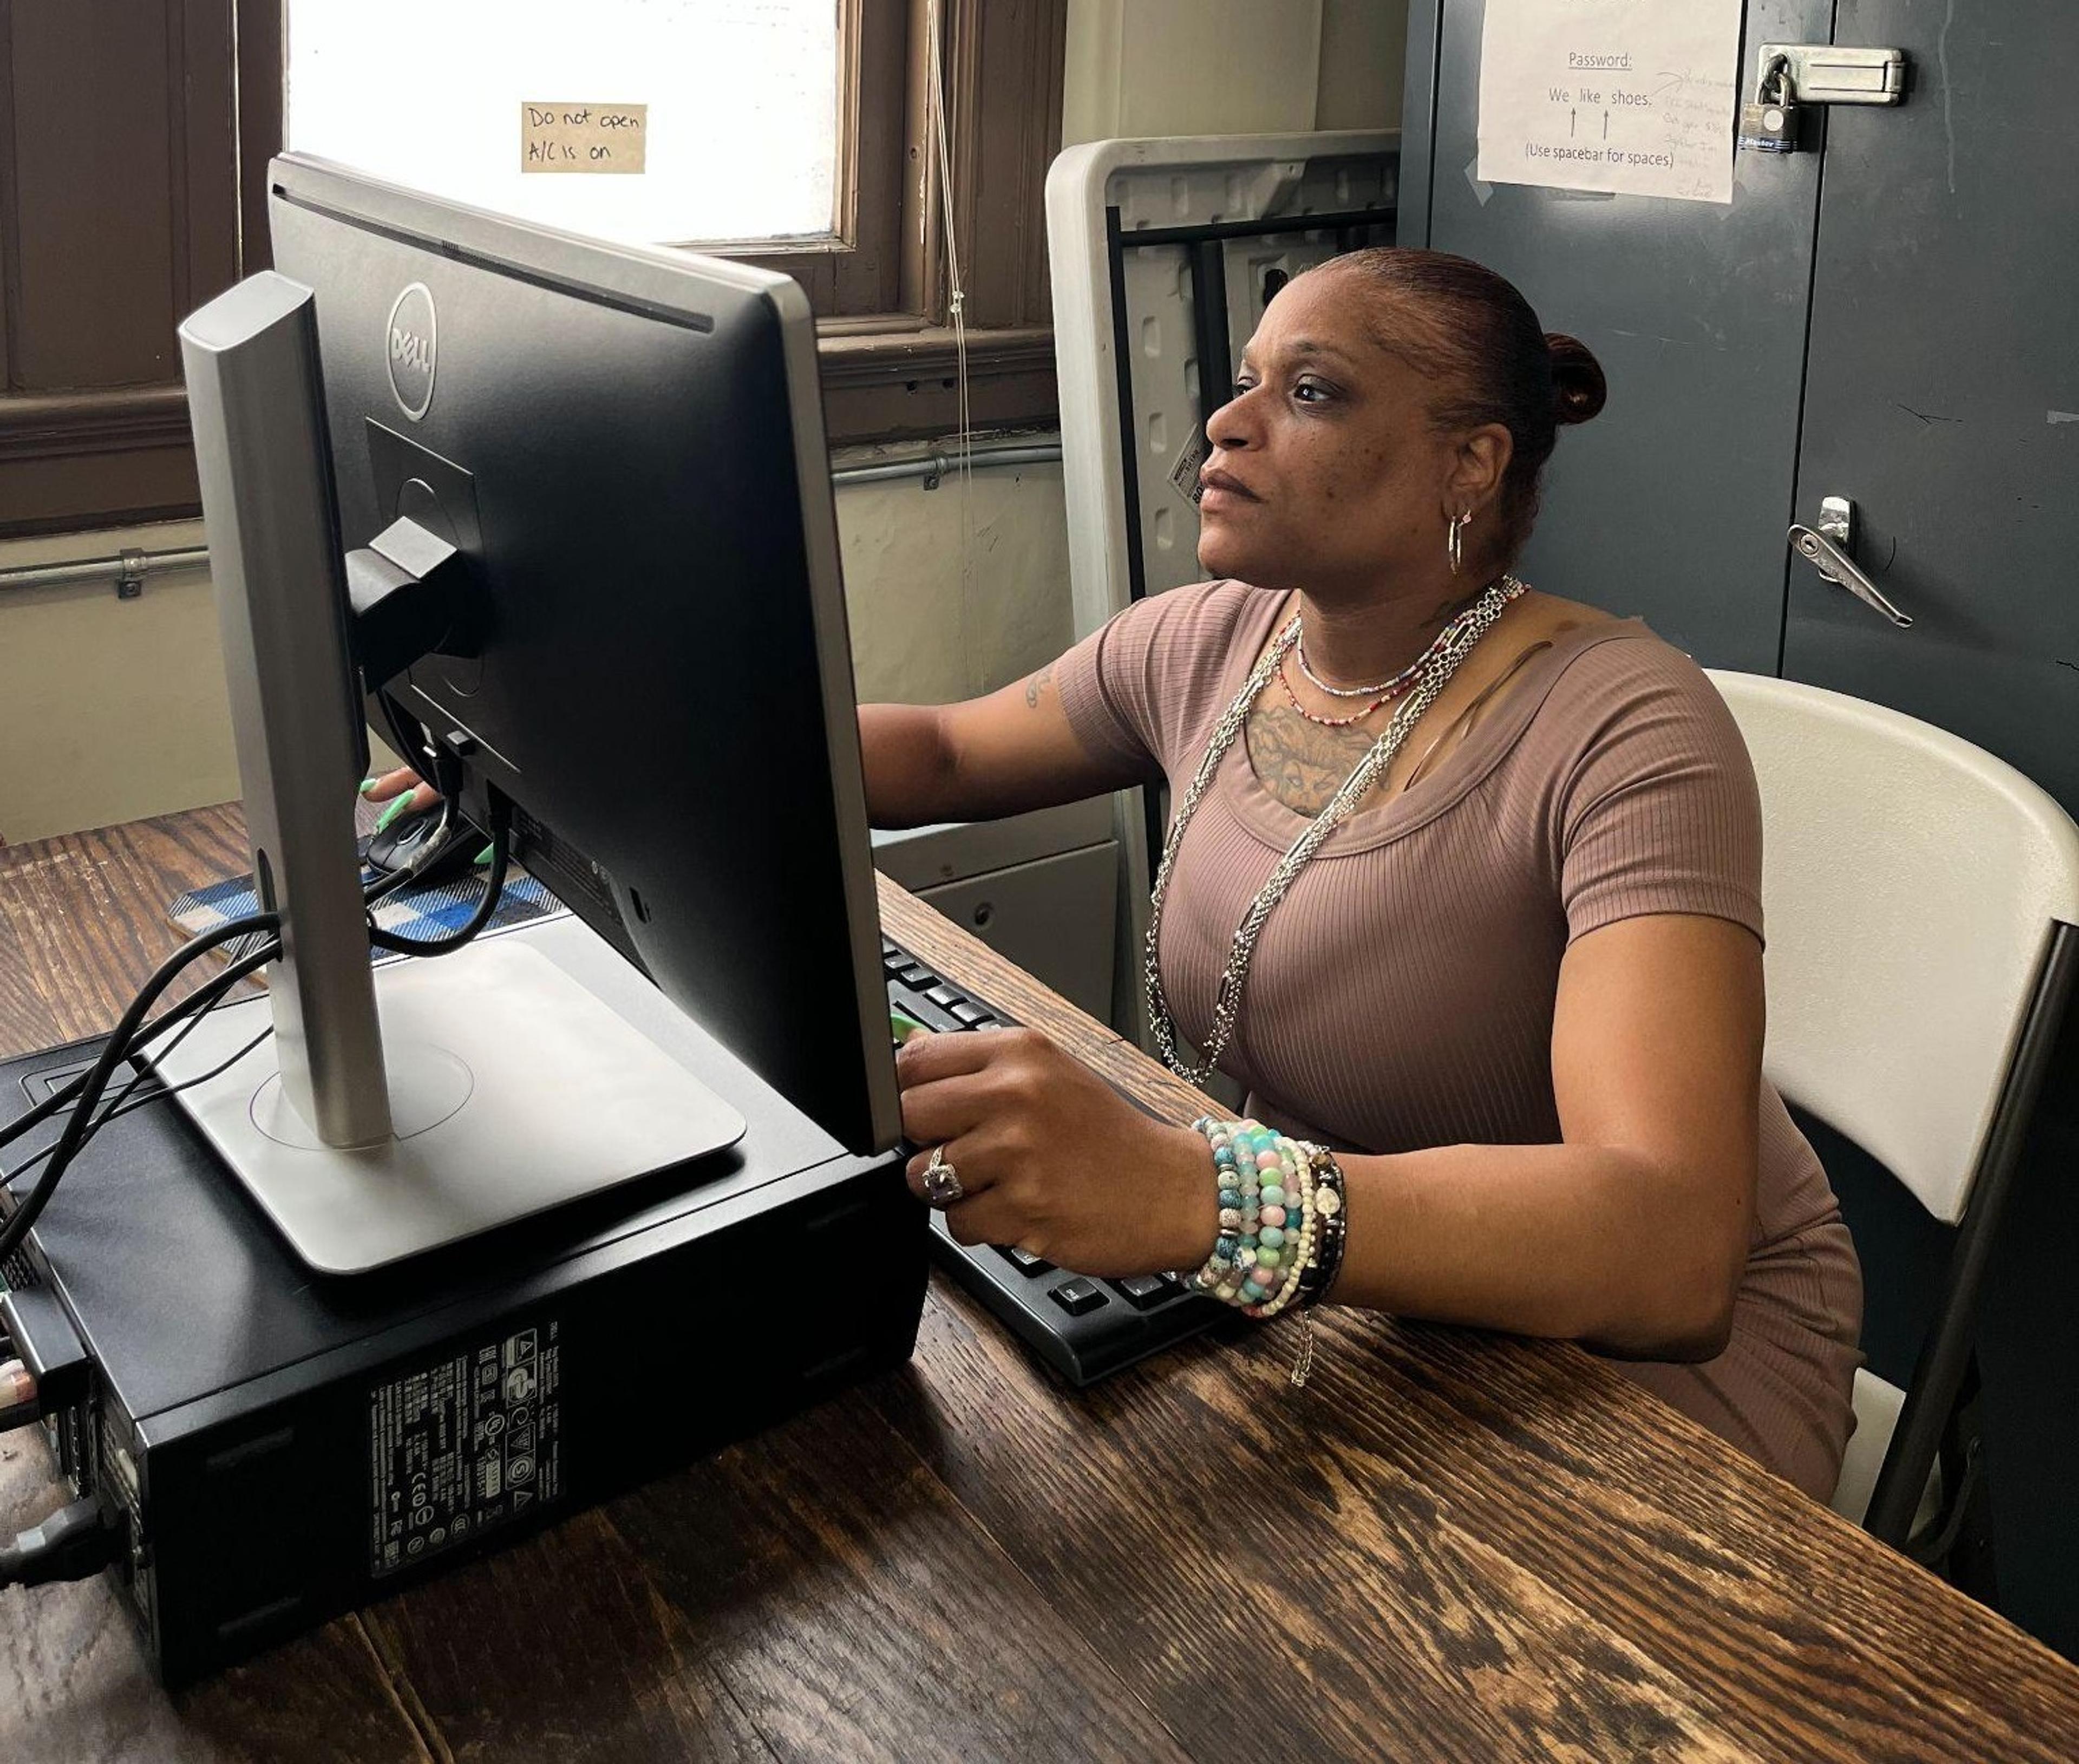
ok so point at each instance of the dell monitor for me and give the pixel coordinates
(609, 462)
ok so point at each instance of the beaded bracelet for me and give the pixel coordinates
(1269, 1217)
(1332, 1204)
(1282, 1222)
(1298, 1223)
(1235, 1149)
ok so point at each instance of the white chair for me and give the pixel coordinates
(1921, 904)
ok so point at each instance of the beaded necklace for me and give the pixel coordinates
(1392, 690)
(1433, 672)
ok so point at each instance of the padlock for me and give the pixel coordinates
(1769, 125)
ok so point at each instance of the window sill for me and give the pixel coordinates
(80, 461)
(887, 384)
(84, 460)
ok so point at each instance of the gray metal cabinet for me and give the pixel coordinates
(1885, 317)
(1697, 313)
(1041, 889)
(1942, 390)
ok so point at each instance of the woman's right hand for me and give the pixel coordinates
(403, 789)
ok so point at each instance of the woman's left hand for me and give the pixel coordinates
(1050, 1159)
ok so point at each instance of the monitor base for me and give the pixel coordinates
(514, 1090)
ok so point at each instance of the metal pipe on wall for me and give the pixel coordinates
(127, 570)
(936, 466)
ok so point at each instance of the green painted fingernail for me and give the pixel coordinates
(368, 784)
(484, 856)
(392, 812)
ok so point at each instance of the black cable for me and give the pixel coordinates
(202, 999)
(216, 1071)
(197, 1006)
(208, 996)
(122, 1106)
(416, 751)
(215, 991)
(421, 753)
(131, 1032)
(75, 1541)
(494, 886)
(166, 1053)
(121, 1043)
(425, 755)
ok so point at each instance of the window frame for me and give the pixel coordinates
(90, 456)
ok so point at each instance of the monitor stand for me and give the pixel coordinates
(513, 1090)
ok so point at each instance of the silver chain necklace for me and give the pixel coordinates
(1436, 667)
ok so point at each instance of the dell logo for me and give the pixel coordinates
(416, 352)
(413, 349)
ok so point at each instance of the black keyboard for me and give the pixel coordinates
(1085, 1328)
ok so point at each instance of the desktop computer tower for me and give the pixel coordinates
(289, 1447)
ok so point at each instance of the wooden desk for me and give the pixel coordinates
(1489, 1549)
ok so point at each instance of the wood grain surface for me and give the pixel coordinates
(1447, 1546)
(72, 906)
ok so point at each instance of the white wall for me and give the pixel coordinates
(112, 709)
(1232, 67)
(954, 591)
(1364, 61)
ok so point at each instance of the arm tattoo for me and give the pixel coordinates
(1036, 685)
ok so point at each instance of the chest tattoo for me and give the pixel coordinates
(1301, 763)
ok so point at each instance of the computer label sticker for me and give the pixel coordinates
(470, 1442)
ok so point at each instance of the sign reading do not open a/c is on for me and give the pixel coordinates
(561, 137)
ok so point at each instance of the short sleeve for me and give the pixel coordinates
(1658, 812)
(1134, 690)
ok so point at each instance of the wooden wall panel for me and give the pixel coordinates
(94, 263)
(118, 215)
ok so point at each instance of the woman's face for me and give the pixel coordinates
(1326, 472)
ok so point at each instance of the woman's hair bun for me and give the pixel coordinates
(1579, 389)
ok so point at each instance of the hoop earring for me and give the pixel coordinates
(1454, 545)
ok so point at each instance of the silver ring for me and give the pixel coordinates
(942, 1181)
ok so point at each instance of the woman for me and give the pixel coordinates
(1517, 976)
(1519, 972)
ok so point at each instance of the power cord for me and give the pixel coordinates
(74, 1542)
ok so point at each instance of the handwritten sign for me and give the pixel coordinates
(582, 137)
(1636, 97)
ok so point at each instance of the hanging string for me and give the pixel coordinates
(956, 315)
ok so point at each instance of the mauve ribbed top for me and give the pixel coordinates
(1402, 994)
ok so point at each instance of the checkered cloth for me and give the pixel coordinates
(415, 912)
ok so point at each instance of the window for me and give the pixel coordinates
(734, 105)
(132, 189)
